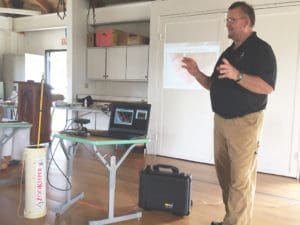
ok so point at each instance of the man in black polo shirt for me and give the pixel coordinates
(243, 77)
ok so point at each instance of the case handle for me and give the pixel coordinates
(173, 168)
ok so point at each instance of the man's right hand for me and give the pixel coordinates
(191, 66)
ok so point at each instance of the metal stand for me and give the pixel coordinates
(112, 168)
(70, 154)
(5, 138)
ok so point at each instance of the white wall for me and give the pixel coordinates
(281, 146)
(36, 42)
(5, 32)
(2, 50)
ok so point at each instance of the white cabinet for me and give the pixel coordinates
(137, 62)
(96, 63)
(127, 63)
(116, 63)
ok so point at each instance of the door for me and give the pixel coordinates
(186, 130)
(96, 63)
(279, 151)
(56, 77)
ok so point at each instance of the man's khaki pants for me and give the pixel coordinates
(235, 148)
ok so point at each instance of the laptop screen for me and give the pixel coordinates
(129, 117)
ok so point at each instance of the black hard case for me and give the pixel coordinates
(162, 187)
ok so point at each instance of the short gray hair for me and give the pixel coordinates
(246, 9)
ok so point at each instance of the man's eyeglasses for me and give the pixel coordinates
(232, 20)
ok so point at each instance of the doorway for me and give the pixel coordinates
(56, 70)
(56, 77)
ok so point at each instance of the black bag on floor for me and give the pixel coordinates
(162, 187)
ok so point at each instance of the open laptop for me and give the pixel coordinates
(127, 120)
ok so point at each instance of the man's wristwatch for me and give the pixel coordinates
(240, 77)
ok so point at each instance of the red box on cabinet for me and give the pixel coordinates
(108, 37)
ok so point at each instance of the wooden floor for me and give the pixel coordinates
(277, 198)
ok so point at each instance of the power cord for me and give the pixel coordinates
(52, 160)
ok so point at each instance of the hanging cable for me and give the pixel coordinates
(92, 6)
(90, 29)
(61, 3)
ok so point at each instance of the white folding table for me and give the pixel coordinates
(112, 165)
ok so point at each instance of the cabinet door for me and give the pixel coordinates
(116, 63)
(137, 62)
(96, 60)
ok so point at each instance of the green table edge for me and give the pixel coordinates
(15, 125)
(101, 142)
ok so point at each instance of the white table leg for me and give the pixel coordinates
(112, 168)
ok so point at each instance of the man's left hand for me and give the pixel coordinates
(226, 70)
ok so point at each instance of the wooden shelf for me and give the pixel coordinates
(130, 12)
(45, 21)
(21, 12)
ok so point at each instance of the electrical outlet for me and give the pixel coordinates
(86, 85)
